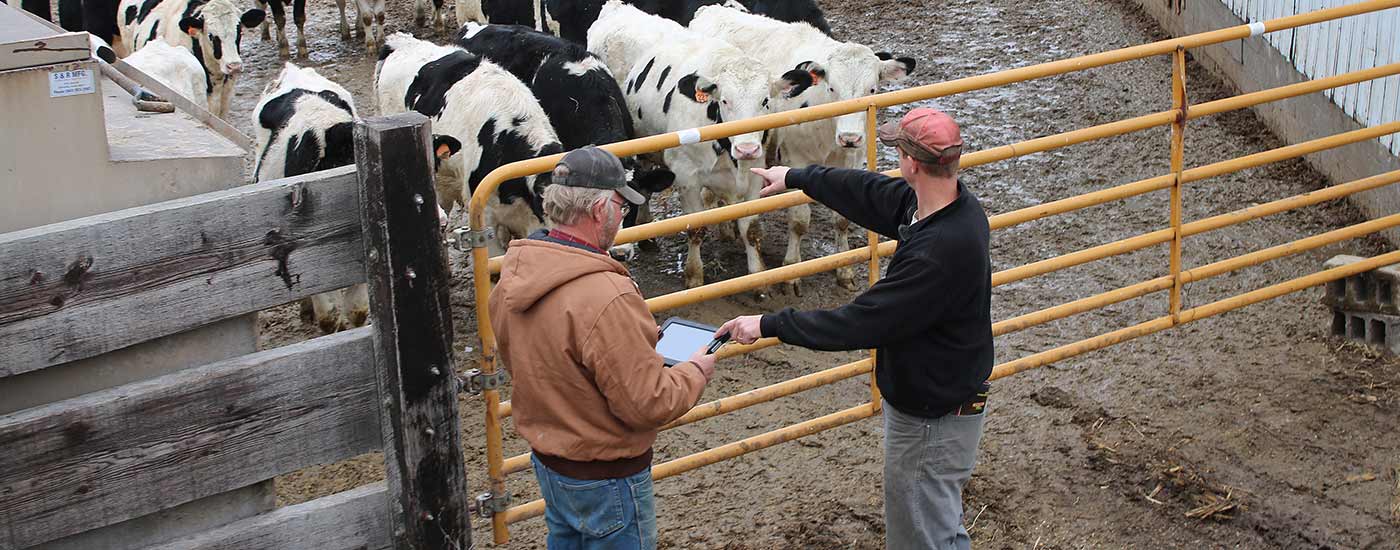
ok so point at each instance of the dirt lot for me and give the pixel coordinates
(1258, 408)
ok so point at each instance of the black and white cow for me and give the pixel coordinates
(676, 80)
(574, 17)
(279, 20)
(583, 100)
(491, 117)
(529, 13)
(305, 123)
(824, 71)
(97, 17)
(211, 29)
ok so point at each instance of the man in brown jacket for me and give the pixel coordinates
(589, 388)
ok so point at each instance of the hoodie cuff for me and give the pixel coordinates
(796, 178)
(768, 326)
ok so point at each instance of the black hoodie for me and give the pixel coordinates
(930, 316)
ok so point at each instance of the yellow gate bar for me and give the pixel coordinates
(749, 398)
(739, 448)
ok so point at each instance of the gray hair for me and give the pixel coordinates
(563, 204)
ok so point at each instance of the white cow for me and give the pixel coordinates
(674, 80)
(304, 123)
(825, 71)
(480, 109)
(173, 66)
(371, 13)
(208, 28)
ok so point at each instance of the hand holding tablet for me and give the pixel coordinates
(681, 338)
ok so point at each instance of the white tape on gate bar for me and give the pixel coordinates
(1256, 29)
(689, 136)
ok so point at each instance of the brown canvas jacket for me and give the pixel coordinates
(580, 345)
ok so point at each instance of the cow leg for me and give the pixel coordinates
(439, 16)
(262, 5)
(344, 25)
(279, 20)
(367, 28)
(799, 219)
(750, 231)
(226, 94)
(357, 304)
(845, 276)
(299, 17)
(379, 33)
(326, 307)
(694, 265)
(418, 15)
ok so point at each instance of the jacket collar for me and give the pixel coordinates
(545, 235)
(907, 231)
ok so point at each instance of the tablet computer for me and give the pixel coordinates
(681, 338)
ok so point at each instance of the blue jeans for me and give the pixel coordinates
(602, 514)
(927, 463)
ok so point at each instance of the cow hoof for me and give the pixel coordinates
(847, 282)
(284, 52)
(329, 325)
(303, 51)
(358, 318)
(793, 288)
(308, 312)
(266, 35)
(649, 246)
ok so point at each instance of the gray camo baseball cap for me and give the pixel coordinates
(595, 168)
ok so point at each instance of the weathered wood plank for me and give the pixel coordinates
(408, 287)
(353, 520)
(80, 288)
(132, 450)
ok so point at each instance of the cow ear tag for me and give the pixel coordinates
(701, 96)
(815, 77)
(443, 151)
(192, 31)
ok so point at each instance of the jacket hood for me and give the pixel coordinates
(534, 268)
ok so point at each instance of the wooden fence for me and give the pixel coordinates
(81, 288)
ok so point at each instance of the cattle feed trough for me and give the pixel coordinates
(484, 266)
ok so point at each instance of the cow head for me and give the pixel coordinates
(734, 92)
(851, 71)
(217, 28)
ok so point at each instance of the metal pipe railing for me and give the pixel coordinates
(671, 226)
(747, 399)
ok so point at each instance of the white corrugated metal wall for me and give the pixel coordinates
(1341, 46)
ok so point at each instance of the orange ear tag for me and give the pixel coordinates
(443, 152)
(815, 78)
(192, 31)
(702, 96)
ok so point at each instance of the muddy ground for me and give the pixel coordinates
(1260, 408)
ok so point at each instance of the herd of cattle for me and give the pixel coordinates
(526, 78)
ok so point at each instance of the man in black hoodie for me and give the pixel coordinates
(929, 317)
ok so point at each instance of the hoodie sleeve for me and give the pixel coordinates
(874, 201)
(639, 389)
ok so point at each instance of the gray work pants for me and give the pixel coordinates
(927, 463)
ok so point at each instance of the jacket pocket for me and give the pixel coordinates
(594, 506)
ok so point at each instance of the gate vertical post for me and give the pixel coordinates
(872, 239)
(408, 278)
(1178, 153)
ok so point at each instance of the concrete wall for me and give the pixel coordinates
(1252, 64)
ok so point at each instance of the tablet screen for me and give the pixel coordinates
(680, 340)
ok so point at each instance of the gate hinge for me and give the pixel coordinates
(490, 504)
(464, 238)
(475, 381)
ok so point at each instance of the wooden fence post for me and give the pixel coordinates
(408, 288)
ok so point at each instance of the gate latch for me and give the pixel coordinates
(464, 238)
(475, 381)
(489, 504)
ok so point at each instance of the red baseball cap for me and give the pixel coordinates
(927, 134)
